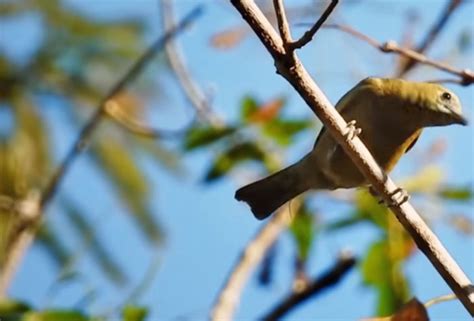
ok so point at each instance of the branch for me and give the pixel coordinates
(308, 35)
(451, 6)
(466, 75)
(177, 62)
(228, 298)
(282, 22)
(26, 218)
(291, 68)
(330, 278)
(25, 229)
(112, 108)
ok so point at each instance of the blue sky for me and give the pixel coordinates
(206, 228)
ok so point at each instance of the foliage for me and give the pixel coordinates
(261, 129)
(76, 60)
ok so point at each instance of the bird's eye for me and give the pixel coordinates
(446, 96)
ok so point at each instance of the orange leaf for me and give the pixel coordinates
(267, 111)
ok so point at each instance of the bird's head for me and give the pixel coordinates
(440, 106)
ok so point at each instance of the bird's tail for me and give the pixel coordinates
(268, 194)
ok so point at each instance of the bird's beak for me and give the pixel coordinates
(459, 119)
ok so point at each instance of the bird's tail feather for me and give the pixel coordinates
(268, 194)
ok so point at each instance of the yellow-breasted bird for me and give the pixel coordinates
(391, 114)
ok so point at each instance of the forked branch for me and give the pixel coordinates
(291, 68)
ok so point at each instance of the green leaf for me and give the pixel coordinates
(134, 313)
(302, 229)
(12, 310)
(283, 131)
(88, 234)
(456, 193)
(232, 157)
(248, 106)
(55, 315)
(202, 136)
(367, 206)
(49, 239)
(350, 221)
(384, 272)
(118, 163)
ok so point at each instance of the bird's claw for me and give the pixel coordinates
(397, 197)
(352, 131)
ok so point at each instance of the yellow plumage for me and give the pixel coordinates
(391, 114)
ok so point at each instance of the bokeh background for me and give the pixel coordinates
(153, 222)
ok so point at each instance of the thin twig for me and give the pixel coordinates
(229, 296)
(114, 111)
(282, 22)
(23, 235)
(330, 278)
(308, 35)
(439, 299)
(291, 68)
(466, 75)
(177, 62)
(447, 12)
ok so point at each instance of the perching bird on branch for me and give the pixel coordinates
(391, 114)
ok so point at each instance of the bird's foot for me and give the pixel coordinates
(352, 131)
(397, 197)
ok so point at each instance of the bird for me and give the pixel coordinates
(390, 114)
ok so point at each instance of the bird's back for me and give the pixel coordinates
(385, 132)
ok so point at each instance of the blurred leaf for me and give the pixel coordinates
(413, 310)
(462, 223)
(8, 8)
(24, 161)
(232, 157)
(48, 238)
(134, 313)
(54, 315)
(248, 106)
(129, 181)
(465, 40)
(456, 193)
(88, 234)
(265, 275)
(198, 137)
(385, 274)
(228, 39)
(303, 231)
(425, 181)
(155, 149)
(345, 222)
(283, 131)
(367, 206)
(267, 111)
(12, 310)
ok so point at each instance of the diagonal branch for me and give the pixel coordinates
(291, 68)
(229, 296)
(177, 62)
(450, 8)
(466, 76)
(308, 35)
(330, 278)
(114, 111)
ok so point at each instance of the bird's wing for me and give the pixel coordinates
(346, 105)
(415, 138)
